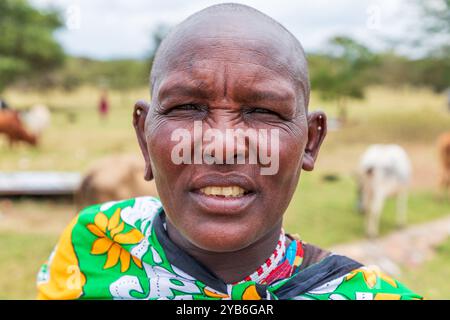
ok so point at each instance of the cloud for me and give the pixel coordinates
(113, 28)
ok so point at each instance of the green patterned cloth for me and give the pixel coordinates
(120, 250)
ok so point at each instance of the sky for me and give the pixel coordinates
(111, 29)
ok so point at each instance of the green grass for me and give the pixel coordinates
(21, 256)
(421, 126)
(432, 278)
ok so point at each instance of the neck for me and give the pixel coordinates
(224, 264)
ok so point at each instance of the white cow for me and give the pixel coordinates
(37, 119)
(384, 171)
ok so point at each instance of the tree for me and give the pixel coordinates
(435, 69)
(436, 15)
(342, 72)
(27, 46)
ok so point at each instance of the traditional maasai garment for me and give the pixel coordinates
(121, 250)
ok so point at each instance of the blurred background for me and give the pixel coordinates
(71, 70)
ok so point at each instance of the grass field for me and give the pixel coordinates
(322, 212)
(431, 279)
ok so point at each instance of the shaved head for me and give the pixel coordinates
(216, 29)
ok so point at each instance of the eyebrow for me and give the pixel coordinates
(185, 90)
(199, 90)
(255, 95)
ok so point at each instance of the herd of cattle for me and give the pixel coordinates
(384, 170)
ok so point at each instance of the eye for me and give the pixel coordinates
(186, 107)
(259, 110)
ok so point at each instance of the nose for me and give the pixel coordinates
(225, 142)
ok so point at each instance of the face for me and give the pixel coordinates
(227, 207)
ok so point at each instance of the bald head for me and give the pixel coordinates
(224, 30)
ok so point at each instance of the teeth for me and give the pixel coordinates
(232, 191)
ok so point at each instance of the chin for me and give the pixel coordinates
(222, 238)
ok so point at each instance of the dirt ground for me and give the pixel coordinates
(408, 248)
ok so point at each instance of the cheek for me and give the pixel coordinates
(160, 148)
(291, 154)
(291, 150)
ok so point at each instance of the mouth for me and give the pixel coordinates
(223, 194)
(226, 192)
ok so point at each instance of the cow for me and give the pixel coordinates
(37, 119)
(384, 171)
(114, 178)
(12, 126)
(444, 157)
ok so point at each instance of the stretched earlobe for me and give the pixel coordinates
(317, 130)
(139, 116)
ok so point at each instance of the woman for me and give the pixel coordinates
(216, 232)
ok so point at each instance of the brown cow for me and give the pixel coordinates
(13, 128)
(114, 178)
(444, 155)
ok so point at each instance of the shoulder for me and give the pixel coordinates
(94, 238)
(130, 210)
(312, 255)
(349, 280)
(364, 283)
(346, 279)
(124, 223)
(111, 219)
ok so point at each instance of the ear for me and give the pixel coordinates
(317, 130)
(139, 115)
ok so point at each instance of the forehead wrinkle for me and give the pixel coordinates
(191, 88)
(255, 95)
(190, 67)
(261, 50)
(276, 65)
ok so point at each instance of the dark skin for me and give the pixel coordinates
(228, 78)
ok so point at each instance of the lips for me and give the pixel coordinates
(223, 194)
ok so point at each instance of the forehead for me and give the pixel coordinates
(265, 51)
(211, 79)
(240, 62)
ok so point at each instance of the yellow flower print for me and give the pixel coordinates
(371, 275)
(112, 245)
(387, 296)
(213, 294)
(251, 294)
